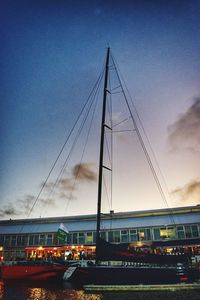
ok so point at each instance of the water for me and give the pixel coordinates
(62, 291)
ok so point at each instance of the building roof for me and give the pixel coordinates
(123, 220)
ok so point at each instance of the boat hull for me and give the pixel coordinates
(32, 272)
(108, 275)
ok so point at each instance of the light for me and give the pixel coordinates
(40, 248)
(139, 244)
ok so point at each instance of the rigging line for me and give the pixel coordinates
(109, 111)
(62, 148)
(111, 90)
(125, 130)
(107, 147)
(106, 191)
(112, 158)
(111, 143)
(72, 147)
(119, 123)
(76, 138)
(153, 153)
(116, 93)
(141, 140)
(110, 129)
(109, 99)
(86, 141)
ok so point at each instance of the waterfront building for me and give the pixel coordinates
(174, 229)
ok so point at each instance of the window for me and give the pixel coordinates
(36, 239)
(75, 238)
(7, 240)
(124, 236)
(171, 232)
(180, 232)
(41, 239)
(133, 235)
(69, 238)
(191, 231)
(21, 240)
(114, 236)
(50, 239)
(145, 234)
(81, 238)
(188, 232)
(89, 238)
(13, 240)
(167, 233)
(195, 232)
(156, 233)
(31, 238)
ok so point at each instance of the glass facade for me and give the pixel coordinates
(116, 236)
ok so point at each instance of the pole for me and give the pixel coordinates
(101, 154)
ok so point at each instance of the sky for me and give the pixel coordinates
(51, 54)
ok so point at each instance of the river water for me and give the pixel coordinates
(62, 291)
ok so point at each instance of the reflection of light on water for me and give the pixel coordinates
(52, 292)
(66, 294)
(1, 290)
(38, 294)
(82, 296)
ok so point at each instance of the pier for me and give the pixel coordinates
(141, 288)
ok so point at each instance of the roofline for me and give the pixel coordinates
(117, 215)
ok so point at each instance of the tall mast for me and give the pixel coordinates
(101, 153)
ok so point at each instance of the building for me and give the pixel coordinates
(168, 229)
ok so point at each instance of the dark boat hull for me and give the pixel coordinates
(32, 272)
(107, 275)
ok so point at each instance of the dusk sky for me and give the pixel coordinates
(51, 54)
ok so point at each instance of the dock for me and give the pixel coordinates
(141, 288)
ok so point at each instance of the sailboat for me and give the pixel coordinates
(119, 263)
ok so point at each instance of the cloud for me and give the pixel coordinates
(21, 207)
(66, 183)
(185, 132)
(65, 187)
(189, 193)
(84, 172)
(26, 203)
(9, 210)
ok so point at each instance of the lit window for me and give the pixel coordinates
(89, 238)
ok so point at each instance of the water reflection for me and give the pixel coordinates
(58, 291)
(62, 291)
(44, 294)
(1, 290)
